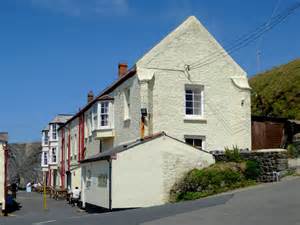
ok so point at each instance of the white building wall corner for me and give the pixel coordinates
(127, 130)
(178, 159)
(2, 166)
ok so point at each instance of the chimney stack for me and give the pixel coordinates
(90, 96)
(123, 67)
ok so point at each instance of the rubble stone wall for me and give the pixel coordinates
(270, 160)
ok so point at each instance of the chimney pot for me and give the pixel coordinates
(90, 96)
(123, 67)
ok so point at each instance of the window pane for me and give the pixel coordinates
(189, 111)
(197, 105)
(197, 91)
(198, 143)
(197, 97)
(188, 97)
(104, 120)
(197, 111)
(188, 91)
(189, 141)
(189, 104)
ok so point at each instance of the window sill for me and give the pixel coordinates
(195, 119)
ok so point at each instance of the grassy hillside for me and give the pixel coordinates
(277, 92)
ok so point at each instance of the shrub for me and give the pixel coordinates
(233, 155)
(214, 179)
(292, 151)
(252, 170)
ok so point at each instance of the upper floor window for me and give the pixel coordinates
(104, 114)
(54, 131)
(54, 157)
(46, 137)
(45, 158)
(194, 100)
(127, 104)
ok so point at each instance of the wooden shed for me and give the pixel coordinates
(270, 132)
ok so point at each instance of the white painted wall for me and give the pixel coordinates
(92, 192)
(144, 175)
(127, 130)
(2, 166)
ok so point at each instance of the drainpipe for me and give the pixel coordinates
(62, 158)
(82, 138)
(110, 184)
(79, 137)
(69, 150)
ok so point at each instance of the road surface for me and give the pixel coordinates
(269, 204)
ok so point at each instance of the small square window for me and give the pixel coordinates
(195, 141)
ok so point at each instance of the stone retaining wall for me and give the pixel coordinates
(270, 160)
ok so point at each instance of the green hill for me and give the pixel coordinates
(277, 92)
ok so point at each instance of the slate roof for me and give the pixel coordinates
(61, 118)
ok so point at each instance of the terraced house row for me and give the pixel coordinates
(128, 145)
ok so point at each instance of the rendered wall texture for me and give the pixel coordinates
(2, 194)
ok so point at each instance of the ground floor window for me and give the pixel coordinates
(195, 141)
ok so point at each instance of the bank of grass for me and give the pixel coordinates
(218, 178)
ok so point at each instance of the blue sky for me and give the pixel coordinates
(52, 52)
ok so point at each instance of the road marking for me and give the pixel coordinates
(44, 222)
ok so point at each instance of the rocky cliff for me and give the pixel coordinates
(24, 162)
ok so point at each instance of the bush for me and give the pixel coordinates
(292, 151)
(233, 155)
(214, 179)
(252, 170)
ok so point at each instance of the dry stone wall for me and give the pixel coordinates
(271, 161)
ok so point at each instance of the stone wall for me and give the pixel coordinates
(270, 160)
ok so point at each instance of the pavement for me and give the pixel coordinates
(277, 203)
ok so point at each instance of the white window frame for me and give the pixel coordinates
(103, 113)
(46, 137)
(90, 123)
(55, 154)
(54, 131)
(199, 88)
(95, 117)
(127, 103)
(196, 137)
(45, 159)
